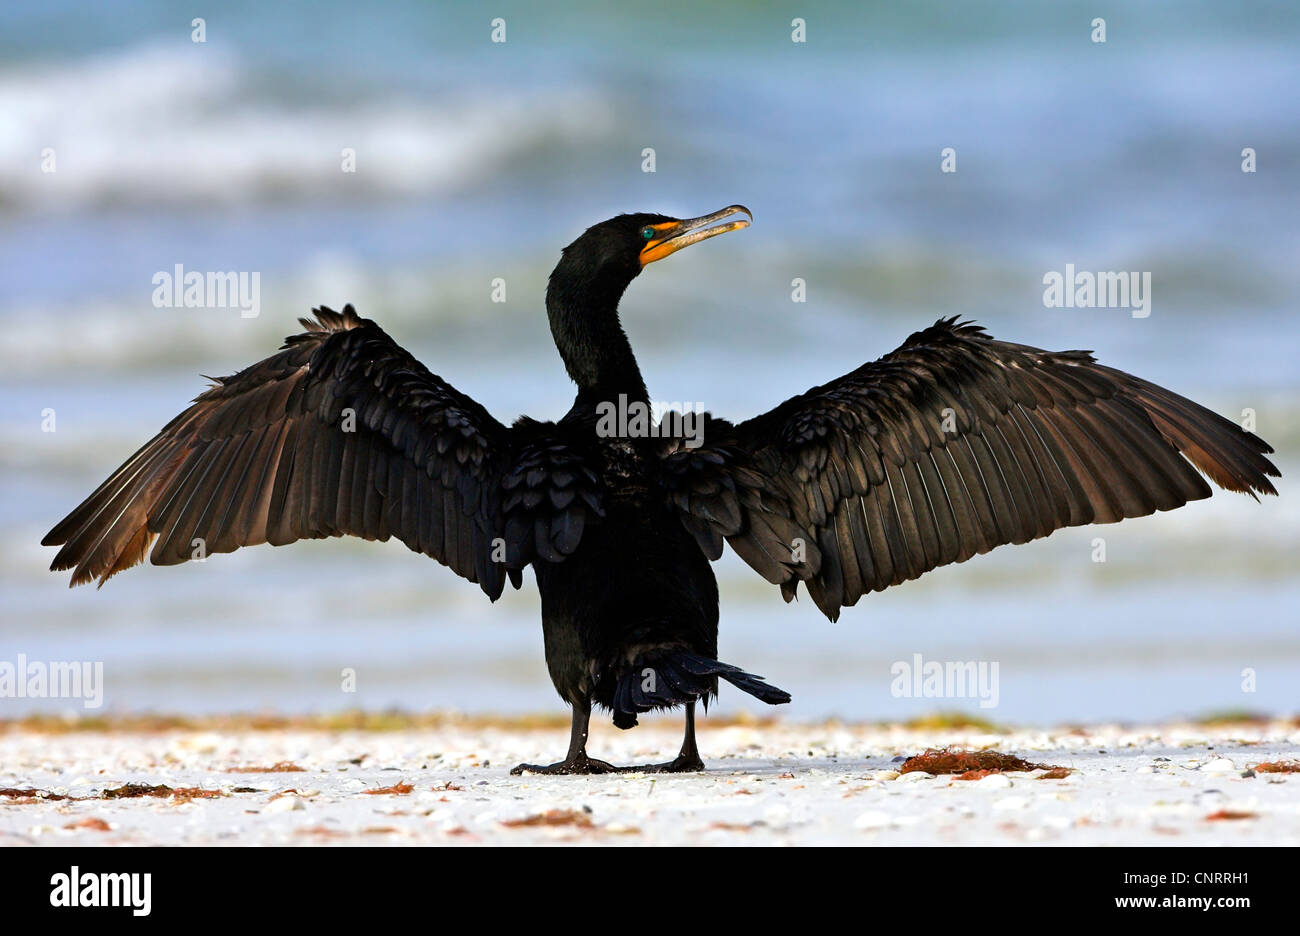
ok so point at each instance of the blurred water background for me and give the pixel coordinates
(478, 160)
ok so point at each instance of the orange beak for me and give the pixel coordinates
(672, 236)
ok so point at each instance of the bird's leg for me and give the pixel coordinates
(577, 761)
(688, 759)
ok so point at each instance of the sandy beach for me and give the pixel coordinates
(446, 780)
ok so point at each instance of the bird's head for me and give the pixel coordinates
(586, 285)
(614, 252)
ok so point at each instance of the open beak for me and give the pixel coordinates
(672, 236)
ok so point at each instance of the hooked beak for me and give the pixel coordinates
(672, 236)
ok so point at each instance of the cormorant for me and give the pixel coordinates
(946, 447)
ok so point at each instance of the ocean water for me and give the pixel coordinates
(479, 160)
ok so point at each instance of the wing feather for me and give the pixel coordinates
(950, 446)
(341, 432)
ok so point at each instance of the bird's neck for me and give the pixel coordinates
(590, 339)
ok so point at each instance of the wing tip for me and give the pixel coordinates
(327, 320)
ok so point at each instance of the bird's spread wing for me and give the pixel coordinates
(949, 446)
(341, 432)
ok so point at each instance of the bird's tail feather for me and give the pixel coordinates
(667, 678)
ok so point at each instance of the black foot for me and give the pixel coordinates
(682, 764)
(575, 765)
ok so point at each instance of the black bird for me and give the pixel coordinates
(946, 447)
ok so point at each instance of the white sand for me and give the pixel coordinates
(783, 784)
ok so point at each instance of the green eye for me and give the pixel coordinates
(647, 233)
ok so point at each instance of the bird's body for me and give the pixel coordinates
(636, 585)
(949, 446)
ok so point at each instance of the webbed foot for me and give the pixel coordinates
(582, 764)
(683, 764)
